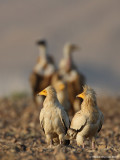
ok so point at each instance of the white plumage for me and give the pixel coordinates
(87, 122)
(53, 118)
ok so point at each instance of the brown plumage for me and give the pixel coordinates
(69, 73)
(87, 122)
(43, 71)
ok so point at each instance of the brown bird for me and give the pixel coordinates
(69, 73)
(87, 122)
(62, 94)
(42, 72)
(53, 118)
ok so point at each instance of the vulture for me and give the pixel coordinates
(87, 122)
(62, 94)
(53, 119)
(69, 73)
(42, 72)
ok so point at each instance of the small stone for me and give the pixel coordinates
(23, 147)
(17, 149)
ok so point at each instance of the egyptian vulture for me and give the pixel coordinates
(42, 71)
(62, 94)
(87, 122)
(53, 118)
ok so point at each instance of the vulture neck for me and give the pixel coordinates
(68, 54)
(68, 59)
(43, 52)
(51, 99)
(89, 104)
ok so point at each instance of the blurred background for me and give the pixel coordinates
(93, 25)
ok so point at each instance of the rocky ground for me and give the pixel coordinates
(22, 138)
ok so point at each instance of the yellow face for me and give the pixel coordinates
(61, 86)
(82, 95)
(43, 92)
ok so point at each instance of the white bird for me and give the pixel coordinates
(53, 118)
(87, 122)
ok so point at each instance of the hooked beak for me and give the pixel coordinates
(75, 47)
(43, 93)
(61, 86)
(81, 95)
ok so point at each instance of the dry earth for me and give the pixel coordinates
(22, 138)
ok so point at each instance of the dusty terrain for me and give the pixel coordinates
(22, 138)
